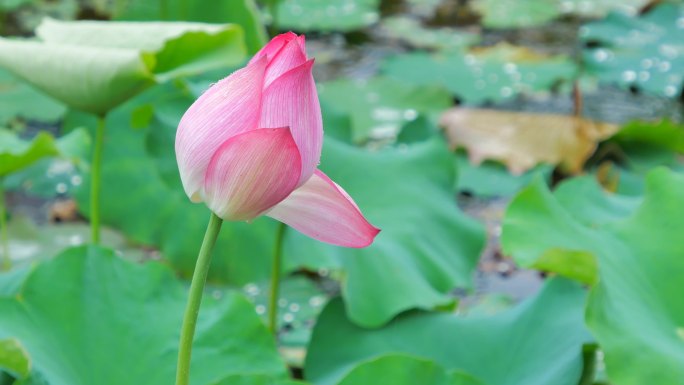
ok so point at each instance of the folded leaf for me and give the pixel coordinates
(94, 65)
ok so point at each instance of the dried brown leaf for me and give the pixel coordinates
(523, 140)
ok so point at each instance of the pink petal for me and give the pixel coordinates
(230, 107)
(324, 211)
(301, 39)
(292, 101)
(273, 46)
(291, 55)
(251, 173)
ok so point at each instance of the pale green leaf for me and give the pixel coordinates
(95, 66)
(14, 359)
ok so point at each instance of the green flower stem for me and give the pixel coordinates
(6, 261)
(275, 279)
(199, 278)
(95, 180)
(2, 22)
(589, 370)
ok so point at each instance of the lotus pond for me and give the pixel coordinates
(522, 159)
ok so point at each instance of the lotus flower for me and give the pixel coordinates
(251, 144)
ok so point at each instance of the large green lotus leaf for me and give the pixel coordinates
(405, 126)
(400, 369)
(411, 31)
(538, 342)
(89, 317)
(95, 66)
(516, 13)
(427, 245)
(16, 153)
(48, 176)
(14, 359)
(10, 5)
(635, 310)
(531, 13)
(492, 179)
(423, 8)
(20, 100)
(585, 207)
(664, 134)
(29, 243)
(642, 146)
(599, 8)
(144, 199)
(645, 52)
(256, 380)
(591, 205)
(482, 74)
(12, 280)
(241, 12)
(379, 107)
(331, 15)
(336, 123)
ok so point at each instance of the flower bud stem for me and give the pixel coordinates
(6, 261)
(275, 279)
(199, 278)
(95, 180)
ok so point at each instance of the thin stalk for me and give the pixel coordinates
(589, 356)
(3, 22)
(275, 279)
(95, 180)
(578, 100)
(199, 278)
(6, 261)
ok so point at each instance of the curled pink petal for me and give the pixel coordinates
(291, 55)
(324, 211)
(273, 46)
(230, 107)
(251, 173)
(292, 101)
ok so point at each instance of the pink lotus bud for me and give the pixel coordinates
(251, 144)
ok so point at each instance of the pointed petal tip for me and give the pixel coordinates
(322, 210)
(371, 233)
(271, 48)
(291, 100)
(289, 35)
